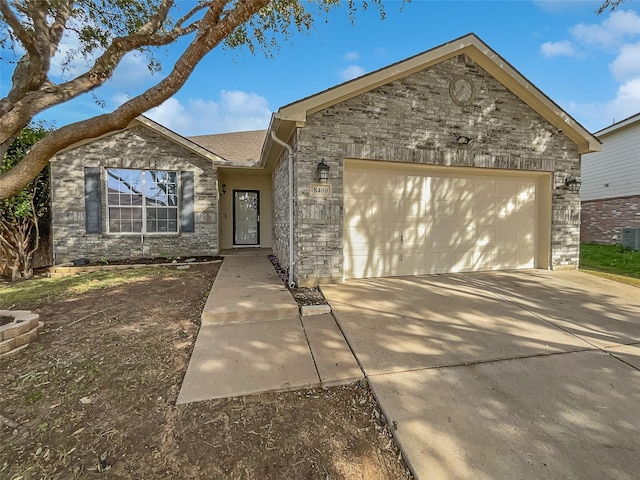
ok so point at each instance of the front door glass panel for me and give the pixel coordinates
(246, 217)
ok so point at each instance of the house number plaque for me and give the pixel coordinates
(320, 190)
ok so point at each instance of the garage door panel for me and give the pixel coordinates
(484, 187)
(506, 257)
(431, 221)
(463, 211)
(526, 233)
(484, 210)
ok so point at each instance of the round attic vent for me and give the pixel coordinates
(462, 90)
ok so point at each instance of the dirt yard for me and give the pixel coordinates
(94, 397)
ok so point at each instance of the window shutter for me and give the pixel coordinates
(187, 216)
(92, 200)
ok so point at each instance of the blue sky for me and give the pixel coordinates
(588, 64)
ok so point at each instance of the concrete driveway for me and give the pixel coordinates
(502, 375)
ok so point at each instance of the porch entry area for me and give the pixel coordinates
(244, 209)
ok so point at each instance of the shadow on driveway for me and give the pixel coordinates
(502, 375)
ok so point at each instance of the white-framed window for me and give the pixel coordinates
(142, 201)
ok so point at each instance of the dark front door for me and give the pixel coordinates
(246, 217)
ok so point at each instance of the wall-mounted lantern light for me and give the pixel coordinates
(223, 191)
(323, 171)
(572, 183)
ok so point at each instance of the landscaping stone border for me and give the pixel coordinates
(21, 331)
(67, 269)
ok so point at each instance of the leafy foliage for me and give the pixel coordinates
(104, 31)
(23, 216)
(609, 5)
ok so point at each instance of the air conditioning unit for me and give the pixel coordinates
(631, 237)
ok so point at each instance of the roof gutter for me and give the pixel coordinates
(291, 275)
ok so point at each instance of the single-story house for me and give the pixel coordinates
(611, 183)
(448, 161)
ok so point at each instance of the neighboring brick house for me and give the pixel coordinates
(611, 183)
(447, 161)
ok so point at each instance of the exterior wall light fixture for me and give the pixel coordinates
(323, 171)
(223, 191)
(572, 183)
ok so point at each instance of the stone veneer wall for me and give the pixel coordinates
(414, 120)
(280, 218)
(603, 220)
(139, 148)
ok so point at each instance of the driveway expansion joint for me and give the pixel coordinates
(482, 362)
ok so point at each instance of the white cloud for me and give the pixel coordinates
(132, 71)
(556, 49)
(626, 66)
(351, 56)
(617, 35)
(351, 72)
(601, 114)
(235, 111)
(613, 32)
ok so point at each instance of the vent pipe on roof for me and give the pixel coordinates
(291, 277)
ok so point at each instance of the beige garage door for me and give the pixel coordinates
(410, 220)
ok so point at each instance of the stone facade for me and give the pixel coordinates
(603, 220)
(140, 148)
(415, 120)
(280, 217)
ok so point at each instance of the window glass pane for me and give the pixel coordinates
(162, 219)
(152, 226)
(124, 187)
(142, 195)
(114, 220)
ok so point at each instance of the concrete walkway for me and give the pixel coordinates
(253, 340)
(523, 375)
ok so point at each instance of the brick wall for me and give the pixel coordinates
(139, 148)
(280, 218)
(414, 120)
(603, 220)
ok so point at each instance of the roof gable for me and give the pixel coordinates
(162, 131)
(295, 114)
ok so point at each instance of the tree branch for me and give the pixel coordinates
(57, 28)
(26, 38)
(17, 112)
(211, 32)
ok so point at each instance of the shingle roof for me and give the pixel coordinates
(235, 146)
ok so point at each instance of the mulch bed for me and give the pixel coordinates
(152, 261)
(302, 295)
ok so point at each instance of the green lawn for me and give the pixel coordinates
(613, 259)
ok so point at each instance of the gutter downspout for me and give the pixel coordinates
(290, 280)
